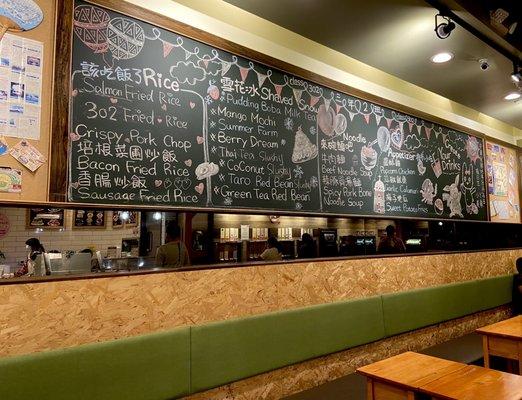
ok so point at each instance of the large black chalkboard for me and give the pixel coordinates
(158, 118)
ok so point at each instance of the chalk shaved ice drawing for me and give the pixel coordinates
(206, 170)
(428, 192)
(368, 157)
(19, 15)
(90, 26)
(125, 38)
(304, 149)
(326, 119)
(452, 198)
(383, 139)
(340, 124)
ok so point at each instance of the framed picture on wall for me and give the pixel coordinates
(45, 218)
(133, 219)
(117, 219)
(88, 218)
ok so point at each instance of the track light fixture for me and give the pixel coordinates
(516, 76)
(443, 29)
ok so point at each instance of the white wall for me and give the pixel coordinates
(13, 244)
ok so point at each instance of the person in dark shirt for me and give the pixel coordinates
(391, 244)
(517, 289)
(307, 248)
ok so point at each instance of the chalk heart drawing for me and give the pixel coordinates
(160, 120)
(182, 184)
(113, 100)
(188, 162)
(192, 104)
(127, 140)
(200, 188)
(158, 182)
(75, 185)
(74, 136)
(167, 183)
(397, 138)
(164, 107)
(200, 139)
(74, 93)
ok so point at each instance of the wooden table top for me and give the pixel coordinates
(509, 328)
(476, 383)
(410, 369)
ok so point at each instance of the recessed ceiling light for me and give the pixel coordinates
(442, 57)
(512, 96)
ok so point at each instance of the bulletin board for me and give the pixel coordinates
(502, 183)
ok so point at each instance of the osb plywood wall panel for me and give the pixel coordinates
(36, 317)
(296, 378)
(35, 184)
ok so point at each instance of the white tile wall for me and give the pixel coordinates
(13, 244)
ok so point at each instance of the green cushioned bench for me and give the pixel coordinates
(414, 309)
(231, 350)
(154, 366)
(172, 364)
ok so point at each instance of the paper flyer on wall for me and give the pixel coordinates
(20, 87)
(10, 180)
(28, 155)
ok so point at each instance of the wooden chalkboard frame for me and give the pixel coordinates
(62, 90)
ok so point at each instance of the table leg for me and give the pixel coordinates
(369, 389)
(485, 349)
(520, 358)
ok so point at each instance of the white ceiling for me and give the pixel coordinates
(397, 36)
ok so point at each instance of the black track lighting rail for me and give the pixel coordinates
(446, 11)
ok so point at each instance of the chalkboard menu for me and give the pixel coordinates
(158, 118)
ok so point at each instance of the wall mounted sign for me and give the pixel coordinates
(89, 218)
(158, 118)
(45, 218)
(502, 182)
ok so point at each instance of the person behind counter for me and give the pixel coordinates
(391, 244)
(273, 250)
(28, 266)
(307, 248)
(174, 253)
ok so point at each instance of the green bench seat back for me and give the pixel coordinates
(414, 309)
(152, 367)
(227, 351)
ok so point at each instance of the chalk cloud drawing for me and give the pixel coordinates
(412, 142)
(187, 72)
